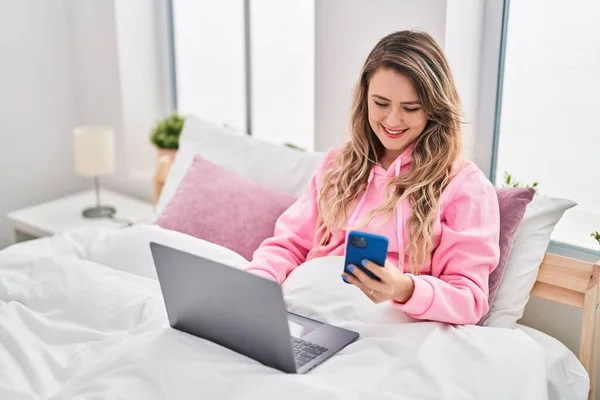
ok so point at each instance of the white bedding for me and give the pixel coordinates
(567, 379)
(81, 316)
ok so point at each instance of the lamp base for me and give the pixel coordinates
(99, 212)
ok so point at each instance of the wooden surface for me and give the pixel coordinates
(573, 282)
(588, 347)
(559, 294)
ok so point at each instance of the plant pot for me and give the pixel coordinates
(170, 153)
(164, 160)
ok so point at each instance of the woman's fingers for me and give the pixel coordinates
(375, 269)
(351, 279)
(366, 280)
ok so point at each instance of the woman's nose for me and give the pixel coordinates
(394, 119)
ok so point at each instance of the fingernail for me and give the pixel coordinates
(344, 278)
(364, 262)
(350, 267)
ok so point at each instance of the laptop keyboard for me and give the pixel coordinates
(305, 352)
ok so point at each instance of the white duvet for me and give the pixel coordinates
(82, 317)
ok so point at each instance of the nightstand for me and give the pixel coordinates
(65, 214)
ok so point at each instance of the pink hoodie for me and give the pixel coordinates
(453, 284)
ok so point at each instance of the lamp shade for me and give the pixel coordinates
(94, 148)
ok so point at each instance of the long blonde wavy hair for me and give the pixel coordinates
(417, 56)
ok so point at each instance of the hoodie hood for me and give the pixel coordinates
(400, 163)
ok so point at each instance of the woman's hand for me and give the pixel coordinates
(394, 285)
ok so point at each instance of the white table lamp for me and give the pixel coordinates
(94, 148)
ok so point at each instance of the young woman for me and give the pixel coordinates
(400, 175)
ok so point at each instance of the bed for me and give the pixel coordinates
(82, 316)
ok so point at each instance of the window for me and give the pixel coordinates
(282, 54)
(247, 65)
(547, 128)
(209, 60)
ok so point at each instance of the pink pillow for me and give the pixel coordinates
(513, 204)
(221, 207)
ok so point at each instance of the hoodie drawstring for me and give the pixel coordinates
(399, 227)
(398, 211)
(361, 202)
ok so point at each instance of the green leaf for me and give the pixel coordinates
(166, 132)
(596, 236)
(294, 146)
(511, 183)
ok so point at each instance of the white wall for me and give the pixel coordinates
(463, 48)
(95, 76)
(346, 31)
(117, 80)
(143, 96)
(37, 109)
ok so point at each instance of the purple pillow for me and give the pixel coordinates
(513, 204)
(221, 207)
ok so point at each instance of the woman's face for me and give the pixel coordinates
(395, 112)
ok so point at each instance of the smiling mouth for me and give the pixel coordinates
(393, 133)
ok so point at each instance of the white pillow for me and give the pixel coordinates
(128, 249)
(531, 241)
(276, 166)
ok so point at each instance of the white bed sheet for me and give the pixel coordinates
(81, 316)
(567, 379)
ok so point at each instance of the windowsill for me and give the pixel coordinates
(570, 251)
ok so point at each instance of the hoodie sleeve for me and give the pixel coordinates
(294, 234)
(457, 289)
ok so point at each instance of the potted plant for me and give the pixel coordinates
(165, 135)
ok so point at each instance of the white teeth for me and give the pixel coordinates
(391, 132)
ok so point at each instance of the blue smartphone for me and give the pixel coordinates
(365, 246)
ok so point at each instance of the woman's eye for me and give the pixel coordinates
(383, 105)
(411, 109)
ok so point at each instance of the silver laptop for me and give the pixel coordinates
(243, 312)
